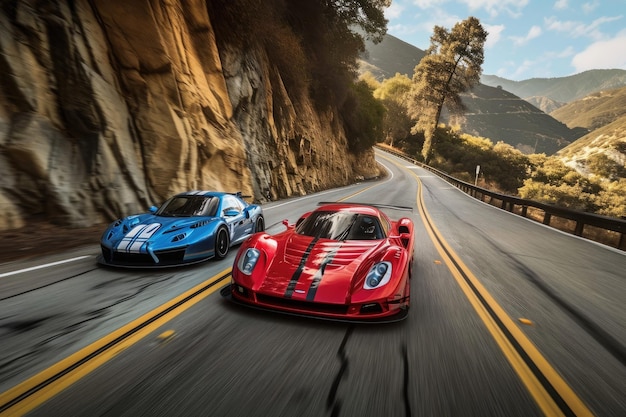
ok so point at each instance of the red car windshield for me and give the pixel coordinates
(340, 225)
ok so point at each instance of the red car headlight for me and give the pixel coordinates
(378, 275)
(248, 261)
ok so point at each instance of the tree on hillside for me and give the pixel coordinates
(363, 117)
(452, 65)
(394, 94)
(312, 42)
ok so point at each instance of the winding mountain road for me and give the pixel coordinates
(508, 318)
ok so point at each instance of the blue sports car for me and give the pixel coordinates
(190, 227)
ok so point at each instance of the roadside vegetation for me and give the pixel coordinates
(537, 177)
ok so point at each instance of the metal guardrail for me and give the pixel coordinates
(509, 203)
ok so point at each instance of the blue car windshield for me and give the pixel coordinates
(338, 225)
(188, 206)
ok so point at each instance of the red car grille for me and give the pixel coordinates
(302, 305)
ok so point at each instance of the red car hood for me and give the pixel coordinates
(320, 270)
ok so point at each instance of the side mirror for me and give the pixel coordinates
(405, 238)
(153, 209)
(286, 224)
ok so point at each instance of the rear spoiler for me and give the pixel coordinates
(238, 194)
(387, 206)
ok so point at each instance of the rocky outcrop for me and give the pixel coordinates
(107, 107)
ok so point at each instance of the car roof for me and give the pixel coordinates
(205, 193)
(351, 208)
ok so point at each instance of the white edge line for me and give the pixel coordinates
(20, 271)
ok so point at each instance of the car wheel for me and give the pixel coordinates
(222, 243)
(259, 226)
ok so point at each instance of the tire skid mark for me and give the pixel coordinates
(612, 345)
(405, 381)
(47, 285)
(608, 342)
(332, 403)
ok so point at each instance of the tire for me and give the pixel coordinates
(222, 242)
(259, 226)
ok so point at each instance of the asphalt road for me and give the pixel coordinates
(559, 301)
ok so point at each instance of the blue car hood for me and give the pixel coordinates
(132, 232)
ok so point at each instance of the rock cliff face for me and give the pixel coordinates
(109, 106)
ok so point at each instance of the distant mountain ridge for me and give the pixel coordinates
(603, 113)
(497, 114)
(594, 110)
(389, 57)
(563, 89)
(545, 104)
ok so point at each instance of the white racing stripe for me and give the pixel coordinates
(20, 271)
(134, 240)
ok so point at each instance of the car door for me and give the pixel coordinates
(233, 213)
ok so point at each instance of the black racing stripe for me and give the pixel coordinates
(310, 296)
(296, 275)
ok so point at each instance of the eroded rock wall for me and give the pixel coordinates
(107, 107)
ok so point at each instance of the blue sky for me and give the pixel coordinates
(527, 38)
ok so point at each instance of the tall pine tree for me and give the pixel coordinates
(452, 65)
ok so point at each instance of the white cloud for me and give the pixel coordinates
(401, 30)
(394, 11)
(560, 5)
(522, 69)
(495, 34)
(605, 54)
(438, 17)
(569, 51)
(427, 4)
(533, 32)
(589, 7)
(579, 29)
(495, 7)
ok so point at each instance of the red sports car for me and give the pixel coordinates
(342, 261)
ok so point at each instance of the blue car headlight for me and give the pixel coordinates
(248, 261)
(379, 275)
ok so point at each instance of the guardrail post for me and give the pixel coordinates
(622, 242)
(579, 228)
(546, 218)
(524, 211)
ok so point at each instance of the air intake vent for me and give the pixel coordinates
(179, 237)
(200, 224)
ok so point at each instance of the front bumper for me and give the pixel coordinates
(332, 312)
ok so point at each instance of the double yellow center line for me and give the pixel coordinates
(31, 393)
